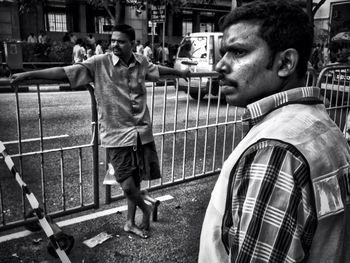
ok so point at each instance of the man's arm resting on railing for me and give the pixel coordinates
(173, 72)
(56, 73)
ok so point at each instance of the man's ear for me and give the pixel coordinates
(287, 62)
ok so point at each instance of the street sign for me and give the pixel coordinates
(158, 14)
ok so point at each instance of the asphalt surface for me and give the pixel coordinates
(174, 236)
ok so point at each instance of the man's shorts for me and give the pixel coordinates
(141, 162)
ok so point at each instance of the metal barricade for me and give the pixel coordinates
(61, 169)
(334, 82)
(193, 137)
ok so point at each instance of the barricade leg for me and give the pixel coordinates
(154, 202)
(59, 242)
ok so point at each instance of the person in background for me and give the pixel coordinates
(118, 81)
(42, 38)
(326, 55)
(166, 54)
(32, 38)
(99, 49)
(73, 38)
(89, 52)
(139, 47)
(147, 52)
(91, 41)
(79, 52)
(283, 193)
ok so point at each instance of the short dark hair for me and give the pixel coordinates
(284, 25)
(126, 29)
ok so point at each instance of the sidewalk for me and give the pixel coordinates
(174, 237)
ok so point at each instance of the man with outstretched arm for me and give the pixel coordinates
(125, 126)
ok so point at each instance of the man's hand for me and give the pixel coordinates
(15, 78)
(184, 74)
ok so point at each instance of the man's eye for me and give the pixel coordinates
(233, 51)
(237, 52)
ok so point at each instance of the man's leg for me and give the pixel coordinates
(134, 198)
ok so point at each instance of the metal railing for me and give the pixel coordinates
(193, 139)
(334, 82)
(44, 160)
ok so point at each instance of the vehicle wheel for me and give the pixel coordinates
(195, 95)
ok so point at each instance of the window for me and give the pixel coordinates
(57, 22)
(186, 27)
(102, 24)
(206, 27)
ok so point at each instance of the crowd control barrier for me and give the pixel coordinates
(334, 82)
(59, 164)
(64, 165)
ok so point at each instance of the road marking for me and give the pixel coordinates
(78, 219)
(37, 139)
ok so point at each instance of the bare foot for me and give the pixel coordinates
(146, 218)
(135, 230)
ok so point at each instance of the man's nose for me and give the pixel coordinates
(221, 66)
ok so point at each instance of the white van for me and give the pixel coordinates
(199, 52)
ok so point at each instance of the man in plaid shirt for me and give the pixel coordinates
(283, 194)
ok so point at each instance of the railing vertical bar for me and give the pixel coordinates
(196, 131)
(41, 141)
(152, 113)
(3, 214)
(176, 104)
(235, 129)
(95, 149)
(81, 190)
(225, 134)
(63, 194)
(206, 128)
(174, 141)
(186, 126)
(216, 129)
(19, 136)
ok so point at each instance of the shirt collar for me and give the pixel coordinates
(115, 59)
(256, 111)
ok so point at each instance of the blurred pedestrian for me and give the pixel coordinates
(147, 52)
(91, 41)
(125, 125)
(99, 49)
(32, 38)
(79, 52)
(283, 193)
(42, 38)
(326, 55)
(73, 38)
(139, 47)
(165, 54)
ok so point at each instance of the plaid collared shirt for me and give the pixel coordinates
(269, 203)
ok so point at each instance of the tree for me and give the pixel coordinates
(119, 6)
(25, 6)
(311, 8)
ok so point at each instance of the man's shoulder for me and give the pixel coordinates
(105, 57)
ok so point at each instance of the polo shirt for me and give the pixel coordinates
(120, 94)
